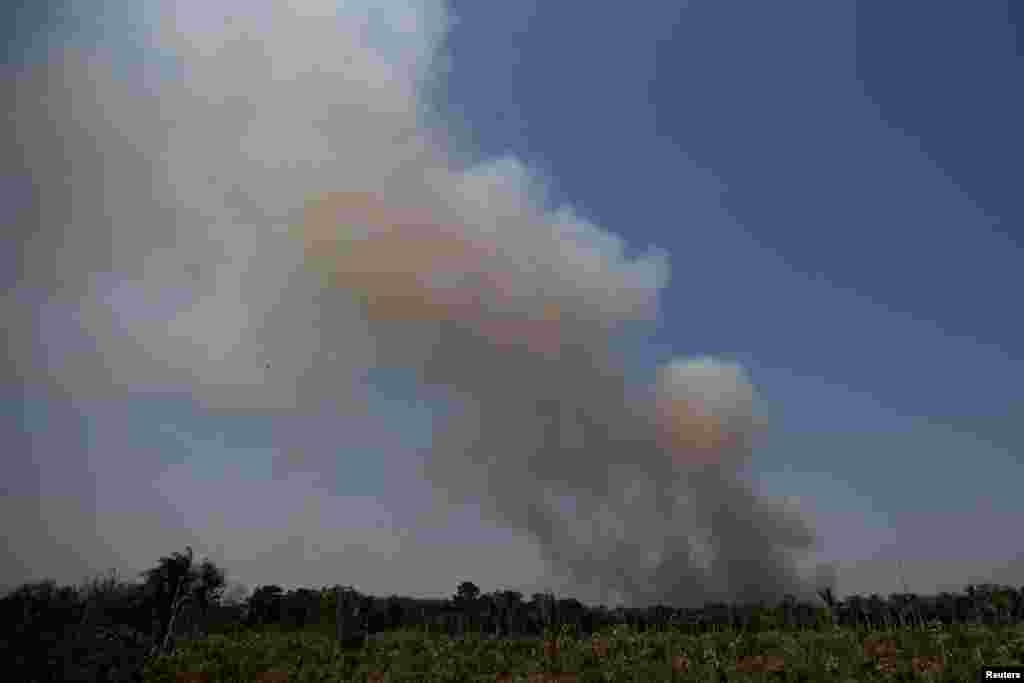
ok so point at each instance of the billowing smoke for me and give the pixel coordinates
(270, 210)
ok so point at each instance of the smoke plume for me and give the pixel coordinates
(265, 208)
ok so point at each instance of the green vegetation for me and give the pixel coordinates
(177, 623)
(619, 654)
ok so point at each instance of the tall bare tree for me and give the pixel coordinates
(176, 581)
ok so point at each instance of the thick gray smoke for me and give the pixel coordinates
(173, 220)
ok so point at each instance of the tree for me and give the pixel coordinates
(467, 593)
(829, 598)
(878, 611)
(329, 604)
(106, 599)
(207, 585)
(514, 599)
(510, 610)
(265, 605)
(350, 619)
(395, 612)
(175, 581)
(301, 607)
(164, 584)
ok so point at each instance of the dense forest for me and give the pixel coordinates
(106, 628)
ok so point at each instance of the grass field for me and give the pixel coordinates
(955, 653)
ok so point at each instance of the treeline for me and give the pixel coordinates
(104, 629)
(508, 614)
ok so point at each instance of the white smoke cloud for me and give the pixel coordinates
(165, 226)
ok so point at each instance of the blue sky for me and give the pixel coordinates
(837, 188)
(861, 178)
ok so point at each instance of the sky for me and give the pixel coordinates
(762, 260)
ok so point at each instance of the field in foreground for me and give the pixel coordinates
(954, 653)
